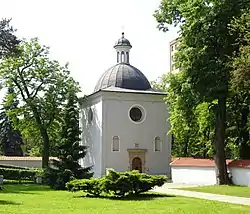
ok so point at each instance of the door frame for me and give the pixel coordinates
(137, 153)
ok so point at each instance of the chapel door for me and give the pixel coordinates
(137, 164)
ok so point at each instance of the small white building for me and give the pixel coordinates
(202, 171)
(124, 121)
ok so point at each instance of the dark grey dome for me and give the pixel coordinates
(123, 42)
(123, 75)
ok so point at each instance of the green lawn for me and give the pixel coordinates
(27, 198)
(223, 190)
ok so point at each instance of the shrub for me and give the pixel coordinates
(14, 167)
(117, 184)
(6, 181)
(19, 174)
(92, 186)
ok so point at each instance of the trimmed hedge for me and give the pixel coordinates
(14, 167)
(19, 174)
(5, 181)
(118, 184)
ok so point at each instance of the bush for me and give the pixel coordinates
(92, 186)
(19, 174)
(13, 167)
(6, 181)
(117, 184)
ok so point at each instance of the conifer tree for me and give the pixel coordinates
(67, 167)
(10, 138)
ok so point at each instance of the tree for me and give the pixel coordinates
(41, 85)
(205, 51)
(8, 41)
(70, 152)
(191, 121)
(10, 139)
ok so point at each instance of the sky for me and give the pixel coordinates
(83, 33)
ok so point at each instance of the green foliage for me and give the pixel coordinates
(69, 151)
(10, 138)
(7, 181)
(191, 120)
(13, 166)
(206, 48)
(117, 184)
(8, 40)
(41, 86)
(19, 174)
(92, 186)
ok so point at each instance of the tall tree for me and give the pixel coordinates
(205, 51)
(70, 152)
(10, 138)
(41, 85)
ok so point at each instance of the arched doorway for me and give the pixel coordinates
(137, 164)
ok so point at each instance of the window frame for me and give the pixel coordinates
(112, 144)
(160, 144)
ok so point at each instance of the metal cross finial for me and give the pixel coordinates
(122, 31)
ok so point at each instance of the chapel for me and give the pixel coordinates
(124, 122)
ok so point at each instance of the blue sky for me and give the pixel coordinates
(83, 33)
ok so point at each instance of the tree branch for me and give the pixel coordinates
(20, 89)
(34, 92)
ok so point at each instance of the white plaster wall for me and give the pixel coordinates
(23, 163)
(117, 123)
(241, 176)
(92, 135)
(193, 175)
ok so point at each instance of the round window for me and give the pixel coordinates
(90, 116)
(135, 114)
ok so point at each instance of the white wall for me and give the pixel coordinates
(92, 135)
(117, 123)
(206, 175)
(241, 176)
(193, 175)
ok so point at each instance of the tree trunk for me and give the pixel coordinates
(186, 141)
(45, 152)
(244, 135)
(45, 137)
(220, 160)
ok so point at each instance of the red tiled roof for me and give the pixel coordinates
(24, 158)
(189, 161)
(240, 163)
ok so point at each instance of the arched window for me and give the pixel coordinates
(127, 60)
(157, 144)
(90, 116)
(122, 57)
(116, 144)
(118, 55)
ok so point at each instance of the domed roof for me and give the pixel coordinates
(123, 42)
(123, 75)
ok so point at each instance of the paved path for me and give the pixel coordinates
(167, 188)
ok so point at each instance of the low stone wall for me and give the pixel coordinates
(35, 162)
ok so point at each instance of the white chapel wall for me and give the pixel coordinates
(92, 134)
(117, 123)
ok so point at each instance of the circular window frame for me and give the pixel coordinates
(90, 118)
(143, 111)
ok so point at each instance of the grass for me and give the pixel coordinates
(223, 190)
(28, 198)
